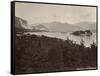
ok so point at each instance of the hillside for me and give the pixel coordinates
(44, 54)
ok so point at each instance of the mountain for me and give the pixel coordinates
(40, 27)
(22, 25)
(66, 27)
(87, 26)
(59, 27)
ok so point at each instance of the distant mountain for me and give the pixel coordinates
(87, 25)
(22, 25)
(40, 27)
(57, 26)
(66, 27)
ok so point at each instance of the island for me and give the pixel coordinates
(82, 33)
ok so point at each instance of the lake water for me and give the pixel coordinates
(77, 39)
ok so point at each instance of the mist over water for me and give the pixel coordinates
(88, 40)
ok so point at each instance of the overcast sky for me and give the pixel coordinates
(40, 13)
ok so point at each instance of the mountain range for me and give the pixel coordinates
(54, 26)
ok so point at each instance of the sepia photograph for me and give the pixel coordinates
(54, 37)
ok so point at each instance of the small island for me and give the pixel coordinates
(82, 33)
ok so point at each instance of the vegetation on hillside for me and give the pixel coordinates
(44, 54)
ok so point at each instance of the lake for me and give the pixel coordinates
(88, 40)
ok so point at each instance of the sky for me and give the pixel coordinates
(45, 13)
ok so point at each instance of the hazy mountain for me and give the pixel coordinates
(87, 25)
(40, 27)
(58, 26)
(22, 24)
(66, 27)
